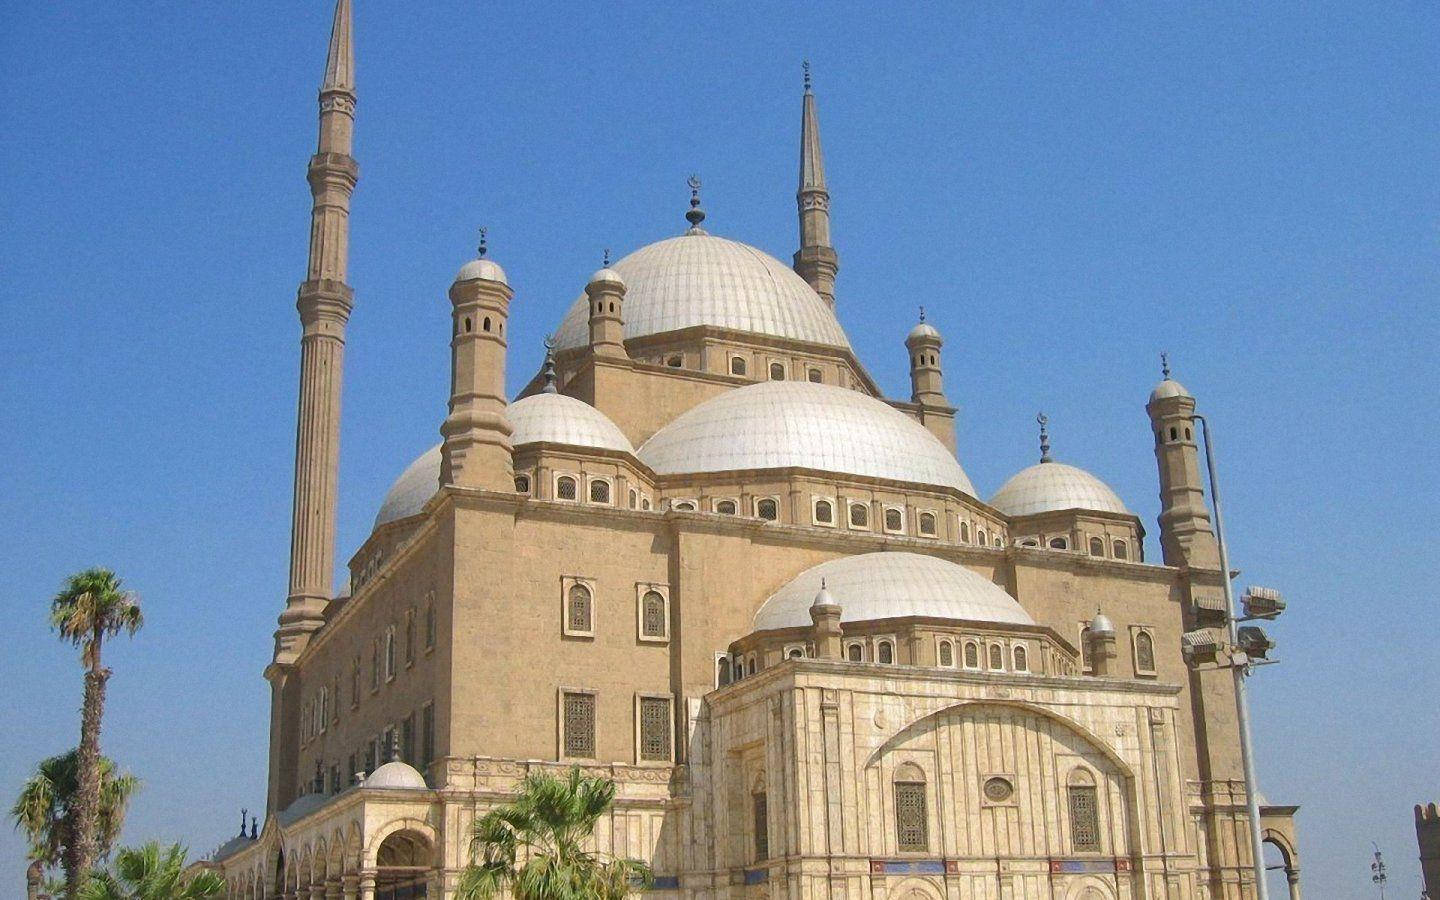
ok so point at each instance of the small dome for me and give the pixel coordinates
(396, 775)
(1169, 388)
(607, 275)
(780, 424)
(1050, 487)
(486, 269)
(552, 418)
(1101, 624)
(700, 279)
(823, 598)
(923, 330)
(893, 585)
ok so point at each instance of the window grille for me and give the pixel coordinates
(927, 523)
(980, 537)
(1086, 661)
(1097, 547)
(652, 614)
(1144, 652)
(390, 653)
(777, 372)
(634, 499)
(599, 491)
(1084, 819)
(762, 827)
(859, 515)
(726, 507)
(947, 654)
(997, 657)
(579, 725)
(686, 505)
(886, 653)
(815, 376)
(972, 656)
(565, 487)
(911, 828)
(375, 665)
(894, 520)
(577, 611)
(767, 509)
(1121, 551)
(655, 729)
(737, 365)
(522, 484)
(355, 683)
(965, 532)
(430, 622)
(855, 653)
(1059, 543)
(823, 513)
(1022, 662)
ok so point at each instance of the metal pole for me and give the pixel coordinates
(1242, 706)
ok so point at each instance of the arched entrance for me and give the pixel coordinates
(402, 866)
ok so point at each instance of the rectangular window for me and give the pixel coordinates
(355, 683)
(427, 736)
(911, 830)
(1084, 819)
(335, 779)
(410, 636)
(335, 701)
(407, 740)
(390, 744)
(375, 665)
(578, 723)
(762, 828)
(390, 653)
(350, 775)
(655, 728)
(430, 620)
(372, 755)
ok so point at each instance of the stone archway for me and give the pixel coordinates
(915, 889)
(1289, 859)
(404, 862)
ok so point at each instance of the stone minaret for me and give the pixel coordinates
(606, 292)
(927, 386)
(1186, 536)
(324, 303)
(815, 261)
(476, 452)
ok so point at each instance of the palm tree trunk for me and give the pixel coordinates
(87, 799)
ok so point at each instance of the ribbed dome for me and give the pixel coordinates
(553, 418)
(889, 586)
(778, 424)
(1168, 388)
(396, 775)
(1052, 486)
(487, 269)
(700, 279)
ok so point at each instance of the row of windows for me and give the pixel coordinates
(397, 739)
(1119, 548)
(599, 489)
(652, 609)
(1175, 433)
(995, 657)
(654, 726)
(741, 367)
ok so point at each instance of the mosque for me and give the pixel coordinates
(700, 554)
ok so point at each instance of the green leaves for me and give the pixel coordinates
(92, 606)
(44, 810)
(150, 872)
(536, 845)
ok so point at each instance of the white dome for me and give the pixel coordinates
(1052, 486)
(923, 330)
(892, 585)
(553, 418)
(778, 424)
(700, 279)
(396, 775)
(1168, 388)
(607, 275)
(487, 269)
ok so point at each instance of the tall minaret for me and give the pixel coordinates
(324, 302)
(927, 384)
(1185, 533)
(815, 261)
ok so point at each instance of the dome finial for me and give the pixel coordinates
(922, 312)
(805, 65)
(481, 249)
(1044, 420)
(1165, 365)
(605, 263)
(547, 372)
(695, 215)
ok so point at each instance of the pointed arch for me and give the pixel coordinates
(418, 827)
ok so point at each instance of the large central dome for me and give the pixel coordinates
(700, 279)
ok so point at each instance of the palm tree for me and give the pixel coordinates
(549, 822)
(45, 809)
(148, 872)
(91, 607)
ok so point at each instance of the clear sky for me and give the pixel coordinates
(1067, 188)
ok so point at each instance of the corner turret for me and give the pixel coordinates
(1186, 536)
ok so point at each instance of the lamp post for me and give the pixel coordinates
(1241, 671)
(1377, 871)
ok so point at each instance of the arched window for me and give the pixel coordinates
(645, 503)
(999, 542)
(980, 537)
(722, 671)
(390, 653)
(1097, 546)
(566, 488)
(947, 654)
(737, 365)
(522, 484)
(777, 371)
(859, 515)
(750, 668)
(634, 498)
(1059, 543)
(486, 326)
(1120, 550)
(885, 652)
(578, 612)
(652, 615)
(815, 376)
(1084, 812)
(1144, 652)
(855, 653)
(675, 362)
(1021, 659)
(795, 653)
(894, 520)
(1029, 542)
(727, 507)
(1174, 435)
(911, 824)
(762, 826)
(965, 532)
(1187, 434)
(927, 524)
(687, 505)
(599, 491)
(767, 509)
(997, 657)
(972, 655)
(824, 513)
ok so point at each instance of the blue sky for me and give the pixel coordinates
(1067, 188)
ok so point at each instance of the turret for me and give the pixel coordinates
(1101, 635)
(476, 448)
(825, 616)
(1186, 536)
(815, 261)
(927, 385)
(606, 292)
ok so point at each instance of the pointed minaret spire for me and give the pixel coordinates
(340, 63)
(815, 261)
(1044, 421)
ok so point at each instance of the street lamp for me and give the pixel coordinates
(1377, 871)
(1248, 647)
